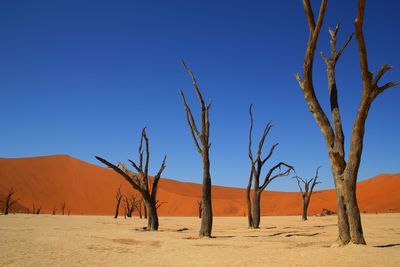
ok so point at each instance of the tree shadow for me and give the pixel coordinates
(313, 234)
(387, 246)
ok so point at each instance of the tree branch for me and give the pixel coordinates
(362, 50)
(306, 84)
(268, 177)
(196, 88)
(146, 166)
(120, 172)
(157, 178)
(251, 129)
(192, 125)
(309, 14)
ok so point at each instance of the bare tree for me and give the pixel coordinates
(257, 164)
(199, 206)
(8, 201)
(202, 142)
(306, 190)
(54, 211)
(141, 181)
(63, 208)
(129, 206)
(38, 210)
(344, 172)
(138, 206)
(144, 210)
(118, 197)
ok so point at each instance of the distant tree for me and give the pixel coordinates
(138, 206)
(202, 142)
(141, 181)
(344, 171)
(63, 208)
(257, 164)
(129, 206)
(306, 190)
(118, 197)
(54, 211)
(38, 210)
(8, 201)
(199, 207)
(144, 211)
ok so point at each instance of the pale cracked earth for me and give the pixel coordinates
(45, 240)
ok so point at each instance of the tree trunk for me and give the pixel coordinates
(152, 218)
(353, 212)
(6, 208)
(255, 209)
(248, 200)
(206, 209)
(140, 210)
(343, 224)
(305, 208)
(145, 211)
(117, 208)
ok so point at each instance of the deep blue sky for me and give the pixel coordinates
(83, 77)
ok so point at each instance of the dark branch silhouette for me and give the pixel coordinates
(306, 187)
(141, 180)
(118, 197)
(257, 164)
(8, 201)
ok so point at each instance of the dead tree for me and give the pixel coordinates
(138, 206)
(8, 201)
(141, 181)
(63, 208)
(257, 164)
(199, 205)
(129, 207)
(306, 190)
(38, 210)
(344, 171)
(54, 211)
(202, 142)
(144, 210)
(118, 197)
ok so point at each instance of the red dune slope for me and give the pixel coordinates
(88, 189)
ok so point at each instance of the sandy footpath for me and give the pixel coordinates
(29, 240)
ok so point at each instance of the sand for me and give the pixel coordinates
(29, 240)
(88, 189)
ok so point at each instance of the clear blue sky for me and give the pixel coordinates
(83, 77)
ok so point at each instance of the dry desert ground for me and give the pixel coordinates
(44, 240)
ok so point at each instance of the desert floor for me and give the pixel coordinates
(29, 240)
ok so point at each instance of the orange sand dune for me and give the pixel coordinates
(89, 189)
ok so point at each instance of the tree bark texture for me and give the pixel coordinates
(344, 171)
(201, 140)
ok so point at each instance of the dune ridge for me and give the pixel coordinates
(47, 181)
